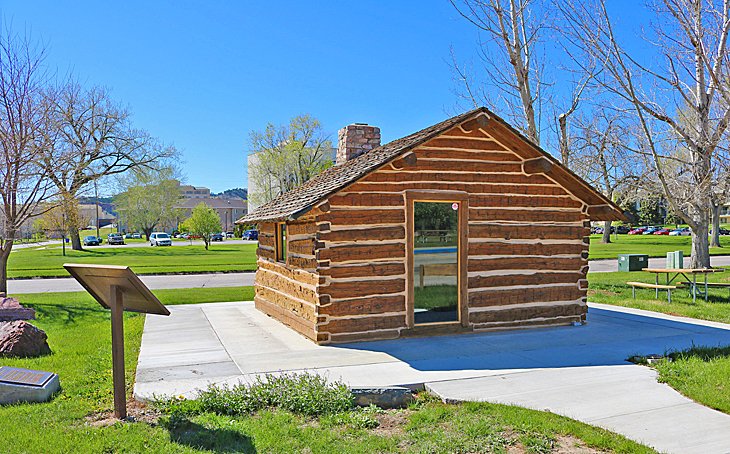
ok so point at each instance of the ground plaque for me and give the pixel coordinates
(117, 288)
(24, 385)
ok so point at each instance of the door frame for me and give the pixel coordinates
(462, 198)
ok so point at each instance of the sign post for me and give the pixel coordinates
(117, 288)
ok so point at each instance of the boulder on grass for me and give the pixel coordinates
(21, 339)
(11, 310)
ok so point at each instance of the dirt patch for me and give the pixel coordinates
(592, 292)
(566, 444)
(136, 412)
(391, 423)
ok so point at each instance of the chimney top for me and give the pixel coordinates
(356, 139)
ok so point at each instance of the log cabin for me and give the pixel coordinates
(463, 226)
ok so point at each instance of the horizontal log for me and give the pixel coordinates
(366, 270)
(293, 274)
(371, 305)
(524, 296)
(358, 217)
(465, 132)
(523, 201)
(554, 321)
(271, 280)
(524, 249)
(475, 189)
(537, 165)
(525, 263)
(528, 232)
(524, 279)
(473, 143)
(367, 199)
(409, 160)
(468, 166)
(362, 252)
(372, 335)
(289, 305)
(382, 176)
(301, 246)
(265, 253)
(266, 240)
(527, 313)
(305, 263)
(303, 327)
(301, 228)
(358, 289)
(266, 227)
(369, 234)
(477, 155)
(348, 325)
(498, 214)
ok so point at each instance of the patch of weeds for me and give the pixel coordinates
(359, 418)
(304, 394)
(537, 443)
(423, 398)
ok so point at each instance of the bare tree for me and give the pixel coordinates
(24, 120)
(513, 75)
(690, 37)
(96, 139)
(601, 157)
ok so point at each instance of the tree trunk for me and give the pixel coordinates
(606, 232)
(147, 232)
(700, 244)
(4, 256)
(715, 238)
(205, 242)
(75, 240)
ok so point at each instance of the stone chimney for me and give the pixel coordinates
(356, 139)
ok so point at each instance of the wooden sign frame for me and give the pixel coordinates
(119, 289)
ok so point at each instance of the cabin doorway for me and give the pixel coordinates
(435, 261)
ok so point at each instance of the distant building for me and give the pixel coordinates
(87, 215)
(228, 209)
(194, 192)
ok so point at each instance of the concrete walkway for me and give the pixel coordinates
(579, 372)
(68, 284)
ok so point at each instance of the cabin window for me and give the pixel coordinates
(281, 242)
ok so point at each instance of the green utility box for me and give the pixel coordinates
(675, 259)
(632, 262)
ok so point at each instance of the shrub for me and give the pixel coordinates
(305, 394)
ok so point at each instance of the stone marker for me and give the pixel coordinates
(21, 339)
(11, 310)
(384, 397)
(24, 385)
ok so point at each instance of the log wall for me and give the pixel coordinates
(527, 241)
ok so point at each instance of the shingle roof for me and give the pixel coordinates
(301, 199)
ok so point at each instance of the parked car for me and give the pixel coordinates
(115, 238)
(681, 232)
(661, 232)
(216, 237)
(622, 229)
(91, 240)
(252, 235)
(637, 231)
(160, 239)
(229, 234)
(649, 231)
(723, 231)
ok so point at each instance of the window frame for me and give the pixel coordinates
(280, 252)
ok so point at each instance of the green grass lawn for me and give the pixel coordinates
(652, 245)
(48, 261)
(79, 335)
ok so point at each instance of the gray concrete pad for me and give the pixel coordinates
(580, 372)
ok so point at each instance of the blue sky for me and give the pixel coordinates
(201, 75)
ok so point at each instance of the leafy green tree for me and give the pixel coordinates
(283, 157)
(650, 211)
(149, 199)
(204, 222)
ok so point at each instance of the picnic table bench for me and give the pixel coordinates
(657, 287)
(684, 272)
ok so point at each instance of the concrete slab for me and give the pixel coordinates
(580, 372)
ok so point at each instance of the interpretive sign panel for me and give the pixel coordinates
(28, 377)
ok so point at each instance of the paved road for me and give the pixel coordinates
(660, 262)
(153, 281)
(57, 244)
(579, 372)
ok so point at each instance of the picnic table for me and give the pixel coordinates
(684, 272)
